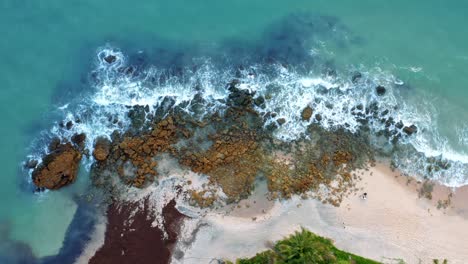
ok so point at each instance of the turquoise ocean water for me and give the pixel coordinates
(48, 48)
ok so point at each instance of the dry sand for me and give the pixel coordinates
(392, 223)
(405, 225)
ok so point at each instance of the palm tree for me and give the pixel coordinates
(305, 247)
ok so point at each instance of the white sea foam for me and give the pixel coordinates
(288, 92)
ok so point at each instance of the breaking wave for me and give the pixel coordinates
(346, 100)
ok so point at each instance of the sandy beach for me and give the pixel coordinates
(393, 223)
(397, 223)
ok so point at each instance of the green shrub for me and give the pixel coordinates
(304, 247)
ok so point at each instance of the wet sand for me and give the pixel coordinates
(130, 236)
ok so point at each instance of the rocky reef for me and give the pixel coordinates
(232, 147)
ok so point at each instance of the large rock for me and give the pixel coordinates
(101, 149)
(59, 168)
(307, 113)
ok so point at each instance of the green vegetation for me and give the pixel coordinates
(304, 247)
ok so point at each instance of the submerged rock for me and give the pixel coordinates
(318, 117)
(31, 164)
(69, 125)
(281, 121)
(356, 77)
(260, 101)
(307, 113)
(399, 125)
(58, 168)
(110, 59)
(380, 90)
(137, 116)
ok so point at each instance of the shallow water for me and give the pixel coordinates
(50, 47)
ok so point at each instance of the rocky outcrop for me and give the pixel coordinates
(101, 149)
(58, 168)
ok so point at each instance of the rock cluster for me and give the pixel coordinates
(240, 97)
(341, 157)
(317, 167)
(232, 162)
(231, 148)
(58, 168)
(139, 152)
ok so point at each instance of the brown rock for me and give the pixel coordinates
(307, 113)
(138, 150)
(101, 149)
(59, 168)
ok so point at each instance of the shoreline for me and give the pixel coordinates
(393, 223)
